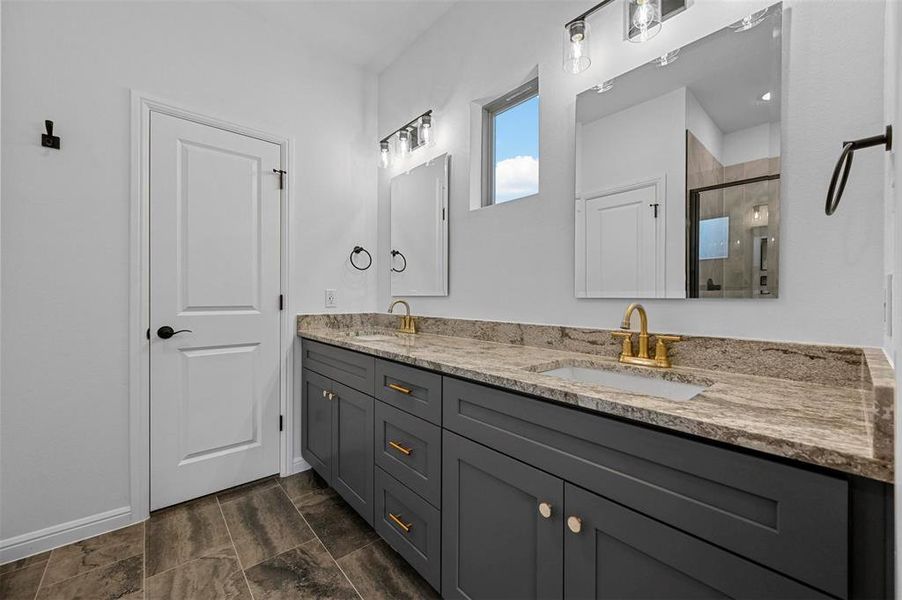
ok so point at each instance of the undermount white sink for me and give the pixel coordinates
(649, 386)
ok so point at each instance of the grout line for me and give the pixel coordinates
(316, 535)
(43, 573)
(235, 548)
(107, 565)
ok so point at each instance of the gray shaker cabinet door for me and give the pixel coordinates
(495, 543)
(316, 423)
(352, 448)
(619, 554)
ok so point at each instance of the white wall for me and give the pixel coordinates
(651, 143)
(703, 127)
(752, 143)
(515, 261)
(65, 215)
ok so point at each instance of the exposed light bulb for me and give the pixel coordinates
(669, 58)
(576, 47)
(404, 142)
(604, 86)
(426, 128)
(646, 19)
(384, 156)
(750, 22)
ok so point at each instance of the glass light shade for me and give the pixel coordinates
(751, 21)
(604, 86)
(645, 20)
(669, 58)
(576, 47)
(384, 155)
(404, 142)
(426, 129)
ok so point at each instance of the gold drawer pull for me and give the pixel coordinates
(401, 449)
(399, 388)
(397, 519)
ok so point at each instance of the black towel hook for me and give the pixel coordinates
(358, 250)
(395, 253)
(844, 165)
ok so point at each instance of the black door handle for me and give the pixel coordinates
(167, 332)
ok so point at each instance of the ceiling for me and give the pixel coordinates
(367, 33)
(727, 72)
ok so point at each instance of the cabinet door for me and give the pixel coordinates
(352, 448)
(316, 422)
(623, 555)
(495, 542)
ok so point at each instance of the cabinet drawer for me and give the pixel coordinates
(350, 368)
(790, 519)
(410, 525)
(409, 449)
(410, 389)
(617, 553)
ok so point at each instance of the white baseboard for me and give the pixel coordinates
(65, 533)
(298, 465)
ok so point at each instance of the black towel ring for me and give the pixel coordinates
(844, 165)
(395, 253)
(358, 250)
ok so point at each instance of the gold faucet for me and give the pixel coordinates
(407, 324)
(661, 359)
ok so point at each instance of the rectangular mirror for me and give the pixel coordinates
(678, 171)
(419, 230)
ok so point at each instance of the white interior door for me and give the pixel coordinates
(214, 277)
(621, 233)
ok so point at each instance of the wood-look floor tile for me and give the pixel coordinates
(25, 562)
(118, 581)
(94, 552)
(184, 532)
(339, 527)
(301, 484)
(21, 584)
(264, 524)
(379, 572)
(217, 576)
(247, 488)
(303, 572)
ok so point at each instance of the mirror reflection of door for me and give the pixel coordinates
(419, 230)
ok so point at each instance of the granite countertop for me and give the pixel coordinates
(845, 424)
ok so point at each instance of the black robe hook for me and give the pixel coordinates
(48, 140)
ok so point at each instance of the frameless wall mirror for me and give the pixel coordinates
(419, 230)
(678, 171)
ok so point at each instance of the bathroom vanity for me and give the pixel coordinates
(498, 465)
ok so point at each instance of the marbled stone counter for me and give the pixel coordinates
(824, 405)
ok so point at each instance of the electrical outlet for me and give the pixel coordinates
(331, 301)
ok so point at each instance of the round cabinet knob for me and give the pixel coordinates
(575, 524)
(325, 393)
(331, 396)
(545, 510)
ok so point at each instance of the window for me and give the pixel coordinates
(510, 147)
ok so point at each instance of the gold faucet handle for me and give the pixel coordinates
(661, 356)
(627, 339)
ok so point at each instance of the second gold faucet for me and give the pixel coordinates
(661, 359)
(407, 324)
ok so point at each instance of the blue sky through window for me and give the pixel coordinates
(517, 151)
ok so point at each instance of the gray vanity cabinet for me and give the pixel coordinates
(619, 554)
(495, 542)
(338, 438)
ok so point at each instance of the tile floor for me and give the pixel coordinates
(267, 540)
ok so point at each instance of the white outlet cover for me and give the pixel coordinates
(331, 298)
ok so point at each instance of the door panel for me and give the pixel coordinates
(316, 421)
(214, 256)
(352, 448)
(619, 554)
(495, 544)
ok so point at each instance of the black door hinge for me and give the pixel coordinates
(281, 302)
(655, 206)
(148, 333)
(281, 177)
(280, 422)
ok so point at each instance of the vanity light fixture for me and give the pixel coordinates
(667, 59)
(750, 22)
(643, 22)
(411, 136)
(604, 86)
